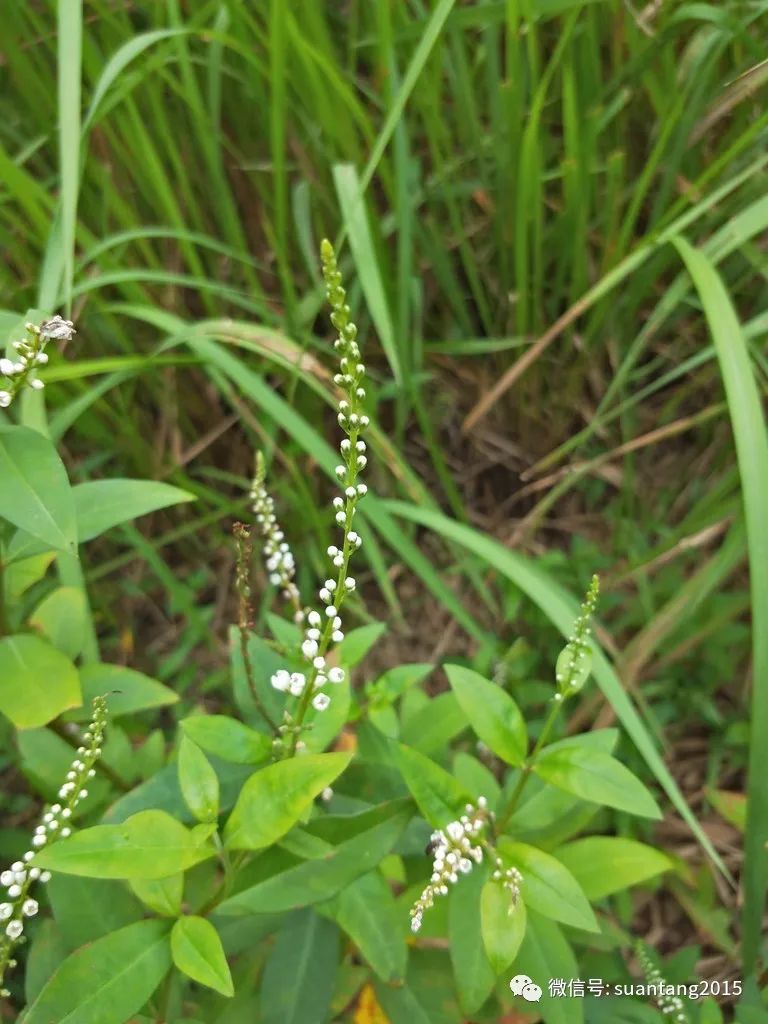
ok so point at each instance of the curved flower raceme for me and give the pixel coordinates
(322, 625)
(30, 354)
(16, 903)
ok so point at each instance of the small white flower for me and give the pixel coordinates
(45, 876)
(281, 680)
(36, 384)
(297, 683)
(336, 675)
(6, 367)
(6, 909)
(330, 611)
(309, 648)
(14, 929)
(321, 701)
(64, 833)
(39, 840)
(337, 636)
(6, 878)
(314, 617)
(5, 399)
(29, 908)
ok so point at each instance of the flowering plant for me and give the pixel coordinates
(282, 861)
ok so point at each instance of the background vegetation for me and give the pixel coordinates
(555, 212)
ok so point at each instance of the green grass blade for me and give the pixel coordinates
(751, 442)
(70, 50)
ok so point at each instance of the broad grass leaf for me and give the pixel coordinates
(151, 844)
(274, 798)
(593, 775)
(197, 952)
(108, 980)
(603, 865)
(36, 495)
(37, 682)
(548, 887)
(493, 714)
(502, 925)
(227, 738)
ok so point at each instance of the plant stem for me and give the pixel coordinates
(527, 766)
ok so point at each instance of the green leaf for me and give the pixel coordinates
(492, 713)
(37, 682)
(61, 617)
(274, 799)
(593, 775)
(199, 782)
(197, 952)
(48, 950)
(163, 895)
(474, 977)
(432, 727)
(438, 794)
(36, 495)
(502, 924)
(318, 879)
(547, 886)
(108, 980)
(300, 972)
(745, 407)
(544, 954)
(356, 644)
(367, 912)
(227, 738)
(127, 691)
(606, 864)
(102, 504)
(87, 908)
(151, 844)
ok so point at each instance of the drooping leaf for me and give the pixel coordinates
(197, 952)
(492, 713)
(37, 682)
(151, 844)
(36, 495)
(108, 980)
(593, 775)
(274, 798)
